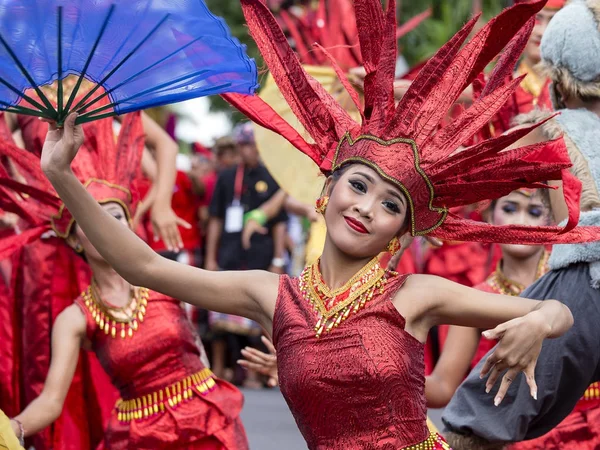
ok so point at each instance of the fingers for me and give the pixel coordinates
(272, 382)
(487, 366)
(530, 378)
(265, 340)
(257, 356)
(183, 223)
(249, 365)
(493, 377)
(507, 380)
(246, 235)
(498, 332)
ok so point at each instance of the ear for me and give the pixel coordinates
(328, 186)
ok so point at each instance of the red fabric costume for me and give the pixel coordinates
(342, 352)
(52, 276)
(169, 398)
(370, 356)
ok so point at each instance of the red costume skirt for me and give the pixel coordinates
(579, 431)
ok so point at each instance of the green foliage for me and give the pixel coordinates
(447, 18)
(231, 11)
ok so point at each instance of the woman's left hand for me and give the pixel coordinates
(519, 346)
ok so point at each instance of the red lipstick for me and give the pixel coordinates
(356, 225)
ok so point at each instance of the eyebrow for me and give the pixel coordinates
(389, 191)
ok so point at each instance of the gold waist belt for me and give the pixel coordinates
(433, 442)
(154, 403)
(592, 392)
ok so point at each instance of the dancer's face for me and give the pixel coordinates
(521, 208)
(115, 210)
(542, 19)
(364, 212)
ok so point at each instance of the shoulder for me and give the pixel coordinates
(425, 285)
(72, 320)
(264, 172)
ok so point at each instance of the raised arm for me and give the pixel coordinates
(250, 294)
(452, 367)
(566, 367)
(67, 335)
(520, 324)
(164, 220)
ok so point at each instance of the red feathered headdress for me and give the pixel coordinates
(108, 167)
(408, 144)
(333, 26)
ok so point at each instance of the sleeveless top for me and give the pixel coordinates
(360, 386)
(168, 396)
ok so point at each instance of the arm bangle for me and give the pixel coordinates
(258, 215)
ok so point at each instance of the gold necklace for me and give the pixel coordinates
(359, 290)
(499, 282)
(104, 314)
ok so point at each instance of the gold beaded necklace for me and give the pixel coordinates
(126, 318)
(500, 283)
(333, 307)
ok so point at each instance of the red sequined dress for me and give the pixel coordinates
(580, 430)
(169, 398)
(352, 377)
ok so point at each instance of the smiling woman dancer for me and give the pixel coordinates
(349, 335)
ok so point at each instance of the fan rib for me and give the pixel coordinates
(135, 75)
(59, 96)
(24, 96)
(48, 108)
(123, 61)
(88, 62)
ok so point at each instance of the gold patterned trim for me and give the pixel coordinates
(154, 403)
(433, 442)
(500, 283)
(592, 392)
(58, 216)
(107, 322)
(362, 286)
(442, 211)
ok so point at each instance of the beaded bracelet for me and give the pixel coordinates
(258, 215)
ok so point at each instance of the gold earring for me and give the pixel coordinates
(78, 248)
(394, 246)
(321, 204)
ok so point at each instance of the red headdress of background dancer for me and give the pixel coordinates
(407, 144)
(107, 167)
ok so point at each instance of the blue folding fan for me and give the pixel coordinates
(106, 57)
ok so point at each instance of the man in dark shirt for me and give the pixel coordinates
(239, 190)
(568, 365)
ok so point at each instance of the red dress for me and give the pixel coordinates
(169, 399)
(359, 386)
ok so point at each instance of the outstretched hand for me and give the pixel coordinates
(518, 349)
(261, 362)
(61, 145)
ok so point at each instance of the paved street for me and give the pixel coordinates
(270, 426)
